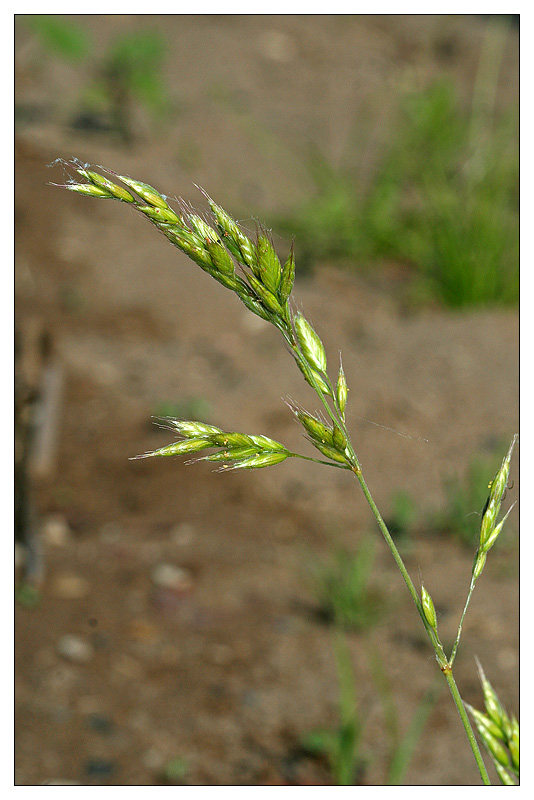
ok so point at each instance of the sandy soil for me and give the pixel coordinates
(228, 669)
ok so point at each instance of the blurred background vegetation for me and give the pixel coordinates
(439, 201)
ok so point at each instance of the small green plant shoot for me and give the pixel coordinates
(252, 270)
(341, 585)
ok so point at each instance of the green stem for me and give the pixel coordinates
(444, 664)
(320, 461)
(440, 654)
(467, 725)
(460, 625)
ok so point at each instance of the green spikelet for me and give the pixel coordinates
(239, 245)
(315, 428)
(157, 214)
(270, 269)
(341, 391)
(267, 298)
(146, 192)
(261, 460)
(288, 278)
(89, 190)
(428, 609)
(98, 180)
(181, 448)
(310, 344)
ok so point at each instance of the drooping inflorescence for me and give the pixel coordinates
(253, 271)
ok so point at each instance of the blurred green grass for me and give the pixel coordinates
(443, 201)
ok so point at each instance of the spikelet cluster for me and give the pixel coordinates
(253, 271)
(498, 732)
(489, 528)
(232, 450)
(328, 439)
(250, 269)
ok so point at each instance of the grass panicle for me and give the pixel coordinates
(254, 273)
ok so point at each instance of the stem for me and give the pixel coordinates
(440, 654)
(460, 624)
(320, 461)
(467, 725)
(444, 664)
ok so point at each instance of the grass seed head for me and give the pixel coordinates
(428, 609)
(310, 344)
(494, 709)
(190, 244)
(311, 375)
(288, 278)
(256, 307)
(232, 440)
(88, 189)
(260, 460)
(270, 269)
(495, 533)
(157, 214)
(222, 260)
(232, 454)
(484, 722)
(478, 565)
(331, 453)
(265, 443)
(181, 448)
(315, 428)
(265, 296)
(191, 429)
(505, 778)
(340, 443)
(341, 391)
(239, 245)
(513, 744)
(497, 489)
(202, 229)
(145, 192)
(119, 192)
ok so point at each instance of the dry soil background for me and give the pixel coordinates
(226, 669)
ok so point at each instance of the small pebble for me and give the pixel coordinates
(182, 534)
(153, 760)
(111, 532)
(278, 46)
(55, 530)
(70, 586)
(142, 631)
(74, 649)
(169, 576)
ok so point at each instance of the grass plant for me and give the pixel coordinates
(252, 270)
(341, 586)
(341, 746)
(128, 73)
(443, 197)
